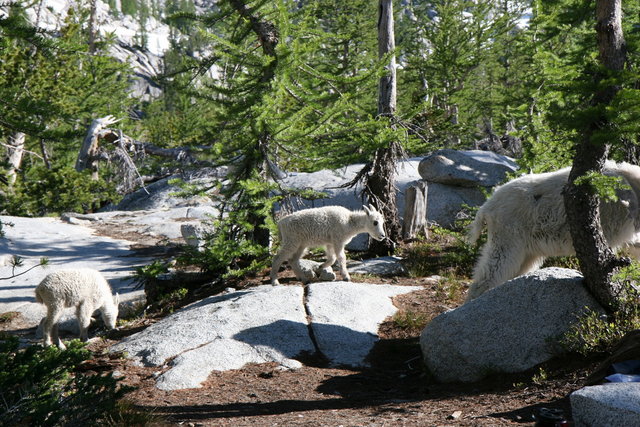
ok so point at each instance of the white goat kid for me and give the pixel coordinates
(526, 222)
(330, 226)
(84, 288)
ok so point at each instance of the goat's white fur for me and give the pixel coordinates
(83, 288)
(330, 226)
(526, 222)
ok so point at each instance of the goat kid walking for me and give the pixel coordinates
(330, 226)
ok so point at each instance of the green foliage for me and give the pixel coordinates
(169, 301)
(230, 249)
(595, 332)
(450, 288)
(148, 273)
(604, 186)
(51, 92)
(38, 386)
(57, 190)
(411, 321)
(464, 67)
(444, 251)
(541, 377)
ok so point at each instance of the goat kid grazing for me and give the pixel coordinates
(526, 222)
(330, 226)
(83, 288)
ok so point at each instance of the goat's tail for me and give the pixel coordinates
(475, 229)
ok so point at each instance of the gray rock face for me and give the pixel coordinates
(345, 317)
(162, 194)
(458, 178)
(445, 203)
(466, 168)
(509, 329)
(616, 404)
(264, 324)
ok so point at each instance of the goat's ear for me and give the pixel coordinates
(116, 299)
(367, 210)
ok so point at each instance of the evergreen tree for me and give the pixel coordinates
(457, 56)
(51, 92)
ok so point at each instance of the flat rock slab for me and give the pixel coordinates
(382, 266)
(264, 324)
(615, 404)
(65, 246)
(345, 317)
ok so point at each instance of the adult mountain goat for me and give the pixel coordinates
(526, 222)
(83, 288)
(330, 226)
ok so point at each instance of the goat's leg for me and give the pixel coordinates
(302, 275)
(330, 253)
(84, 312)
(325, 270)
(500, 261)
(55, 335)
(342, 263)
(285, 253)
(50, 327)
(530, 263)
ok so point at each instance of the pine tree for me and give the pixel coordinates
(457, 56)
(52, 90)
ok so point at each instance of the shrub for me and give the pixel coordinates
(62, 189)
(595, 332)
(445, 251)
(38, 386)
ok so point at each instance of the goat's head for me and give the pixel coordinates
(109, 312)
(375, 223)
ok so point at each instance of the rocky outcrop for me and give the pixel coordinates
(615, 404)
(509, 329)
(337, 320)
(459, 178)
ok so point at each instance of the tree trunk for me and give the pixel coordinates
(87, 157)
(386, 45)
(15, 150)
(415, 210)
(380, 185)
(597, 260)
(92, 28)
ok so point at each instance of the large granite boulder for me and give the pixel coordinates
(459, 178)
(165, 193)
(466, 168)
(509, 329)
(615, 404)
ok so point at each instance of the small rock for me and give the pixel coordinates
(455, 415)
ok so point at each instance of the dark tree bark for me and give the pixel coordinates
(597, 261)
(380, 187)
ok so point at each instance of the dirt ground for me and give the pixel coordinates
(394, 391)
